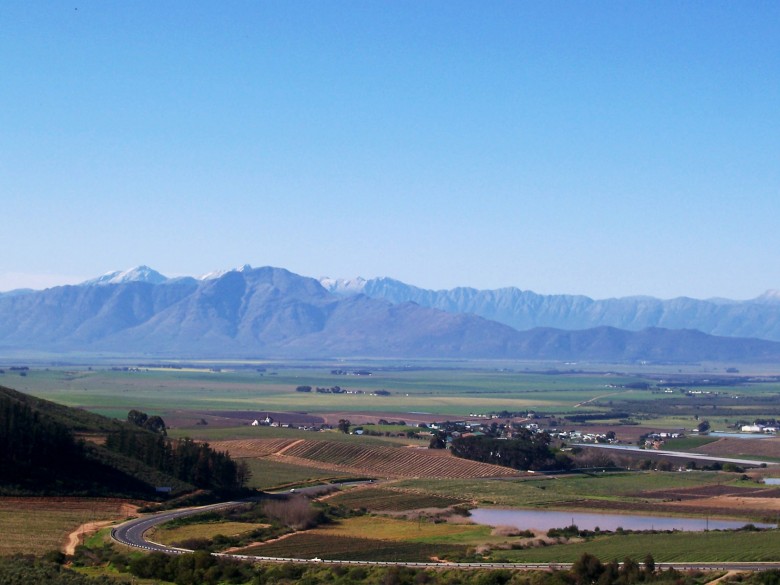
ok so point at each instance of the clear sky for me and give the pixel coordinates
(600, 148)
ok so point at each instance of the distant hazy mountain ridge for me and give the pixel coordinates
(523, 310)
(271, 312)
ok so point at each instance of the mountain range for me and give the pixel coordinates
(521, 309)
(271, 312)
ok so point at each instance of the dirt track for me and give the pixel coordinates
(81, 533)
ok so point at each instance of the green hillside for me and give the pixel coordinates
(50, 449)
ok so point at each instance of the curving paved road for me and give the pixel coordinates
(131, 533)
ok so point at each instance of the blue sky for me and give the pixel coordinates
(599, 148)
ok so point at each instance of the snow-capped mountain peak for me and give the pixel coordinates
(770, 296)
(219, 273)
(137, 274)
(343, 286)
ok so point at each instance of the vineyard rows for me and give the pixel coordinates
(252, 447)
(393, 461)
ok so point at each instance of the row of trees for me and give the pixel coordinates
(184, 459)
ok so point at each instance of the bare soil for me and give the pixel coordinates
(745, 447)
(81, 533)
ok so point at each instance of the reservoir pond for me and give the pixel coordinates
(546, 519)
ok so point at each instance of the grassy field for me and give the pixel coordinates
(383, 528)
(268, 474)
(675, 547)
(207, 530)
(388, 500)
(39, 525)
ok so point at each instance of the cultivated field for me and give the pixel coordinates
(380, 499)
(765, 448)
(207, 530)
(665, 547)
(309, 545)
(388, 462)
(270, 473)
(392, 539)
(442, 390)
(40, 525)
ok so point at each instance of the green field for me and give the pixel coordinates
(455, 392)
(450, 389)
(207, 530)
(675, 547)
(268, 474)
(387, 500)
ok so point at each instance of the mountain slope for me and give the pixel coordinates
(271, 312)
(523, 310)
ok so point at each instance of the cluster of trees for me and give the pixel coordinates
(150, 423)
(23, 570)
(589, 569)
(184, 459)
(202, 568)
(526, 451)
(31, 442)
(197, 568)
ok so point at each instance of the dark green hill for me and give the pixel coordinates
(77, 420)
(42, 451)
